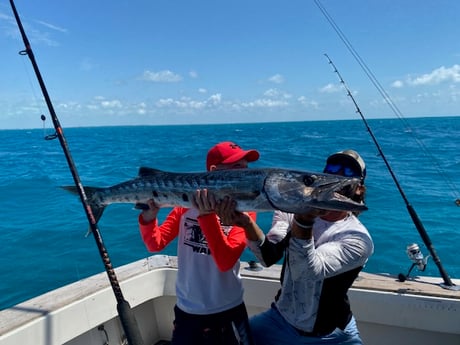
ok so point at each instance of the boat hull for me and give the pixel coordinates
(387, 311)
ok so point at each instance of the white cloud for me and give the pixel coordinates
(164, 76)
(6, 18)
(215, 99)
(397, 84)
(271, 93)
(308, 103)
(193, 74)
(275, 93)
(438, 76)
(277, 79)
(164, 102)
(141, 108)
(435, 77)
(186, 103)
(36, 36)
(51, 26)
(100, 102)
(264, 103)
(111, 104)
(202, 90)
(69, 106)
(331, 88)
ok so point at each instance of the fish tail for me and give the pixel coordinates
(97, 212)
(96, 209)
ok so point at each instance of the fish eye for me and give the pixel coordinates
(309, 180)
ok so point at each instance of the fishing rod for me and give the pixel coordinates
(125, 313)
(417, 222)
(394, 108)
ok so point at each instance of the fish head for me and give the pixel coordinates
(298, 191)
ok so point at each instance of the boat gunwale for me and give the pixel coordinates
(51, 302)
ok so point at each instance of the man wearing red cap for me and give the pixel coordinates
(209, 290)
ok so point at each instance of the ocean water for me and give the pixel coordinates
(43, 227)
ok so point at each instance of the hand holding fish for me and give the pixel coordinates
(226, 210)
(302, 224)
(204, 201)
(150, 213)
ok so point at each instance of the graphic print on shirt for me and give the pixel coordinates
(194, 237)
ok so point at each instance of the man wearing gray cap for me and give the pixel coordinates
(324, 251)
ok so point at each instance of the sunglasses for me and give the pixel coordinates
(346, 170)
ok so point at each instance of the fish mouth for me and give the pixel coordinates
(333, 192)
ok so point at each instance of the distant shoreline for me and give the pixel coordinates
(49, 124)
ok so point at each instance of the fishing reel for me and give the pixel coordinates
(417, 258)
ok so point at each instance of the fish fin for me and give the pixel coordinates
(71, 189)
(144, 171)
(97, 212)
(89, 191)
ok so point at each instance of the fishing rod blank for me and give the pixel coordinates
(394, 108)
(126, 315)
(416, 220)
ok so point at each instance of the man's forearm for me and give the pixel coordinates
(252, 230)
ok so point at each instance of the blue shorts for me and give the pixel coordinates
(270, 328)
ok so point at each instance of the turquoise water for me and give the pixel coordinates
(42, 229)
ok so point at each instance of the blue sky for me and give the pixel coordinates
(186, 62)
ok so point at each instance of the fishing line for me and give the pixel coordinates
(49, 136)
(416, 220)
(43, 118)
(125, 313)
(452, 186)
(35, 98)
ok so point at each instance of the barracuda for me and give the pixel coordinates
(254, 190)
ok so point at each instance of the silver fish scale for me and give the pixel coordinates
(253, 190)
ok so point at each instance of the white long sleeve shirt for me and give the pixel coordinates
(336, 248)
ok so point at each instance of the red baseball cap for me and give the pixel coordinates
(228, 152)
